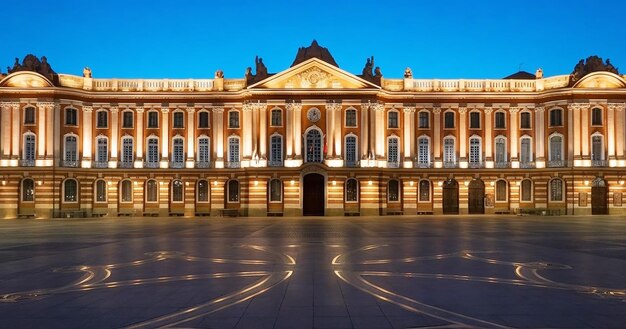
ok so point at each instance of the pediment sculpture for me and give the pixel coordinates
(592, 64)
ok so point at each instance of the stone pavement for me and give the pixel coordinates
(356, 272)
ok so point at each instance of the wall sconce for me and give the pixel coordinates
(586, 182)
(39, 183)
(186, 183)
(334, 182)
(411, 183)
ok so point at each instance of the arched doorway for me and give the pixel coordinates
(476, 197)
(450, 197)
(313, 195)
(599, 197)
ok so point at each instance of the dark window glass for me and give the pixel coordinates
(29, 115)
(203, 120)
(474, 120)
(233, 119)
(102, 119)
(393, 190)
(276, 119)
(177, 191)
(424, 191)
(153, 119)
(352, 190)
(525, 120)
(351, 118)
(70, 190)
(276, 190)
(423, 120)
(179, 120)
(596, 117)
(71, 117)
(500, 120)
(393, 119)
(28, 190)
(233, 191)
(127, 119)
(203, 191)
(448, 119)
(556, 117)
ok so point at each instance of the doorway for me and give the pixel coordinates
(313, 195)
(450, 197)
(476, 197)
(599, 197)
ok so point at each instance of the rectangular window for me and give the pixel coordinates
(127, 119)
(233, 119)
(474, 156)
(203, 120)
(102, 119)
(392, 121)
(178, 154)
(103, 150)
(424, 120)
(526, 152)
(423, 151)
(556, 118)
(351, 159)
(474, 120)
(392, 150)
(351, 118)
(71, 117)
(153, 151)
(500, 120)
(500, 150)
(127, 150)
(525, 120)
(448, 151)
(276, 119)
(179, 119)
(153, 119)
(448, 119)
(29, 116)
(203, 150)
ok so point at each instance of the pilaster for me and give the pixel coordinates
(488, 138)
(191, 137)
(114, 137)
(514, 140)
(463, 163)
(139, 139)
(218, 135)
(165, 137)
(87, 136)
(437, 141)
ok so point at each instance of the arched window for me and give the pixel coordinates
(233, 119)
(556, 117)
(276, 190)
(448, 120)
(556, 190)
(597, 147)
(526, 150)
(392, 119)
(424, 190)
(29, 148)
(126, 191)
(127, 152)
(178, 152)
(423, 151)
(28, 190)
(500, 120)
(178, 190)
(525, 121)
(152, 159)
(474, 117)
(500, 143)
(29, 115)
(556, 149)
(352, 190)
(423, 119)
(276, 119)
(475, 151)
(526, 193)
(276, 150)
(203, 119)
(204, 151)
(449, 152)
(179, 120)
(102, 119)
(233, 190)
(152, 191)
(313, 146)
(233, 152)
(352, 158)
(393, 190)
(153, 119)
(202, 191)
(501, 190)
(596, 116)
(101, 190)
(71, 150)
(70, 190)
(393, 152)
(102, 150)
(71, 116)
(351, 121)
(128, 120)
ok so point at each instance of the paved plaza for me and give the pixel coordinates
(353, 272)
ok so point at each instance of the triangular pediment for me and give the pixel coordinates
(314, 74)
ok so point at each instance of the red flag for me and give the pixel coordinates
(325, 147)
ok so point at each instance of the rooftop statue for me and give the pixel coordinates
(592, 64)
(314, 50)
(408, 74)
(34, 64)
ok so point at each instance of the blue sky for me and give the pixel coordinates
(437, 39)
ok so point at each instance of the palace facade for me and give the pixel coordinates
(311, 140)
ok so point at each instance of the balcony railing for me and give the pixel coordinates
(478, 164)
(125, 164)
(599, 163)
(100, 164)
(203, 164)
(150, 164)
(450, 164)
(232, 164)
(352, 164)
(67, 163)
(177, 164)
(275, 163)
(27, 163)
(502, 164)
(423, 165)
(526, 165)
(393, 164)
(557, 163)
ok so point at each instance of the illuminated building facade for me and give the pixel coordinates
(311, 140)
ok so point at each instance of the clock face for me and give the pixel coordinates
(314, 114)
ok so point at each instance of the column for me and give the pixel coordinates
(297, 134)
(610, 134)
(463, 163)
(165, 137)
(263, 133)
(50, 121)
(488, 138)
(576, 124)
(372, 131)
(114, 137)
(584, 128)
(218, 135)
(139, 139)
(364, 140)
(330, 128)
(380, 139)
(540, 140)
(56, 136)
(255, 138)
(247, 132)
(15, 131)
(437, 141)
(619, 132)
(6, 131)
(87, 136)
(191, 137)
(514, 138)
(570, 136)
(338, 137)
(41, 127)
(289, 131)
(408, 156)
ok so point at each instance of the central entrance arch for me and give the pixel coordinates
(450, 197)
(476, 197)
(313, 195)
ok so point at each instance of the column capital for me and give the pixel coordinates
(191, 110)
(217, 110)
(331, 106)
(378, 107)
(539, 109)
(437, 110)
(87, 109)
(165, 110)
(293, 106)
(115, 109)
(409, 110)
(513, 110)
(462, 110)
(616, 106)
(45, 105)
(577, 106)
(9, 105)
(139, 110)
(488, 110)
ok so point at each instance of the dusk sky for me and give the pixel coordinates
(192, 39)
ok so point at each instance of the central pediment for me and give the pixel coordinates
(314, 74)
